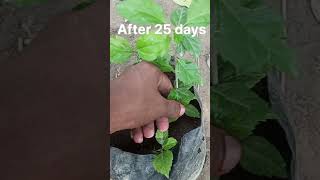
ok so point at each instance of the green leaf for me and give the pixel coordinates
(235, 100)
(188, 43)
(142, 12)
(257, 42)
(161, 137)
(180, 49)
(162, 163)
(120, 50)
(179, 16)
(199, 13)
(151, 46)
(192, 44)
(182, 95)
(227, 73)
(186, 3)
(192, 111)
(171, 142)
(237, 109)
(178, 38)
(237, 127)
(188, 72)
(163, 63)
(262, 158)
(83, 5)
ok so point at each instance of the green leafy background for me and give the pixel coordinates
(250, 41)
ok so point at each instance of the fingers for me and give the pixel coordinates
(162, 124)
(164, 84)
(148, 130)
(232, 156)
(172, 109)
(137, 135)
(227, 153)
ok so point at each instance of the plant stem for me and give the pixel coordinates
(176, 81)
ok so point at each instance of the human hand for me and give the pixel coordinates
(226, 152)
(138, 100)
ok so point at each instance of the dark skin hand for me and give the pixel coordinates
(138, 100)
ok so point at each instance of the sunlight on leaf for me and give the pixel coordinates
(161, 137)
(171, 142)
(192, 111)
(186, 3)
(151, 46)
(120, 50)
(188, 72)
(182, 95)
(199, 13)
(162, 162)
(142, 12)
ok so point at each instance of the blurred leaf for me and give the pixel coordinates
(236, 127)
(163, 63)
(120, 50)
(151, 46)
(262, 158)
(171, 142)
(257, 41)
(179, 16)
(227, 73)
(83, 4)
(26, 2)
(192, 111)
(182, 95)
(235, 100)
(142, 12)
(199, 13)
(183, 2)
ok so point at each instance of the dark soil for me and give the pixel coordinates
(177, 129)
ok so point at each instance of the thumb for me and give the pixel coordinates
(173, 109)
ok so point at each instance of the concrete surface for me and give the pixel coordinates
(297, 99)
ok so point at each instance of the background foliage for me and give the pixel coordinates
(249, 39)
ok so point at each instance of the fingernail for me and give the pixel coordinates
(139, 140)
(150, 134)
(182, 110)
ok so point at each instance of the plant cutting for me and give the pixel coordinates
(156, 47)
(249, 39)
